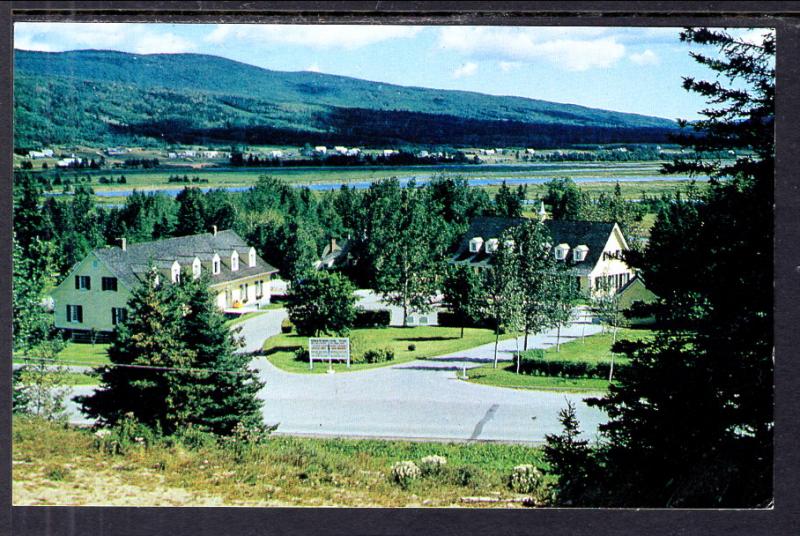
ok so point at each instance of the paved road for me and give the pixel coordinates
(418, 400)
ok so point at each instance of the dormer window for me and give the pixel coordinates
(579, 253)
(216, 265)
(234, 261)
(175, 271)
(251, 257)
(491, 245)
(561, 251)
(475, 244)
(196, 268)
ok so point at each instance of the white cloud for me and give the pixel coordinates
(508, 66)
(313, 68)
(574, 49)
(468, 69)
(162, 44)
(648, 57)
(315, 36)
(59, 36)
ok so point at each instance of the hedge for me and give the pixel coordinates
(372, 319)
(566, 369)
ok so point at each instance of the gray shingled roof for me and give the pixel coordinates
(131, 264)
(592, 234)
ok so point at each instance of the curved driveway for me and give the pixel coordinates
(422, 400)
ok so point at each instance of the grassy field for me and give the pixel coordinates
(58, 465)
(595, 348)
(430, 341)
(232, 177)
(81, 354)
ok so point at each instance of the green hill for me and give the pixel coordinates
(104, 97)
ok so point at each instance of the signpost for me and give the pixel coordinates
(330, 348)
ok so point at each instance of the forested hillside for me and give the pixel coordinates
(112, 97)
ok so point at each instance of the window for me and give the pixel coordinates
(75, 314)
(83, 282)
(243, 292)
(109, 283)
(251, 260)
(196, 268)
(216, 266)
(176, 272)
(259, 289)
(118, 314)
(234, 261)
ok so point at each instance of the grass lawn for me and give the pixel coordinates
(595, 348)
(430, 341)
(81, 354)
(56, 464)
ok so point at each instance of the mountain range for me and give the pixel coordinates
(107, 97)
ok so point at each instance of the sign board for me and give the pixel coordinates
(328, 348)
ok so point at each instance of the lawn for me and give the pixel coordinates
(80, 354)
(57, 464)
(429, 341)
(247, 316)
(595, 348)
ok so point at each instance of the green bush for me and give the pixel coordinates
(286, 326)
(127, 434)
(301, 354)
(467, 476)
(379, 355)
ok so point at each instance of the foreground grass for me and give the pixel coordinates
(429, 341)
(594, 349)
(247, 316)
(54, 464)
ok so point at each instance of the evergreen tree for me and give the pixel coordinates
(148, 377)
(228, 396)
(191, 212)
(691, 419)
(509, 202)
(565, 199)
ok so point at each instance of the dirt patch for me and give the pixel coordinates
(103, 488)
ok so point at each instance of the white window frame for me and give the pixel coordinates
(197, 268)
(251, 257)
(216, 265)
(72, 314)
(235, 261)
(175, 272)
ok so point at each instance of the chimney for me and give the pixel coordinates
(124, 243)
(214, 229)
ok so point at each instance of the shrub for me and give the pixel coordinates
(286, 326)
(468, 476)
(412, 347)
(403, 473)
(379, 355)
(127, 434)
(372, 319)
(533, 363)
(432, 465)
(301, 354)
(525, 479)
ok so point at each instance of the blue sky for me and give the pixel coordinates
(635, 70)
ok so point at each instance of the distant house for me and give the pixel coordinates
(320, 149)
(67, 162)
(591, 249)
(632, 292)
(334, 255)
(95, 293)
(44, 153)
